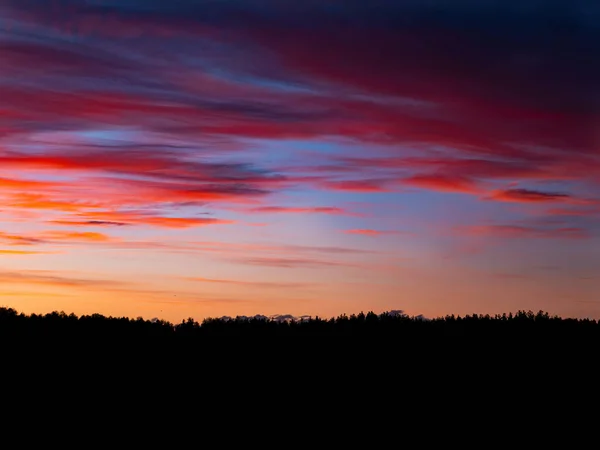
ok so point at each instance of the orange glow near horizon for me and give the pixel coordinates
(265, 159)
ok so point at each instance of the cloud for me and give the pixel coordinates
(256, 284)
(53, 237)
(442, 183)
(92, 223)
(60, 280)
(183, 222)
(51, 279)
(524, 232)
(511, 276)
(290, 263)
(291, 317)
(575, 212)
(281, 318)
(19, 252)
(528, 196)
(286, 318)
(14, 239)
(446, 54)
(356, 185)
(369, 232)
(77, 236)
(41, 201)
(124, 218)
(237, 251)
(19, 184)
(321, 249)
(299, 210)
(111, 131)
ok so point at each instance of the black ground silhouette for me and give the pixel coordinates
(500, 363)
(385, 335)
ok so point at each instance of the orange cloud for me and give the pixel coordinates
(18, 184)
(121, 218)
(39, 201)
(13, 239)
(183, 222)
(19, 252)
(77, 236)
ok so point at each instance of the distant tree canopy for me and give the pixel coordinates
(359, 347)
(62, 324)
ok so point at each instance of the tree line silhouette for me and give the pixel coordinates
(391, 326)
(524, 347)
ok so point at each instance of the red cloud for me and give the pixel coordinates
(473, 168)
(442, 183)
(356, 186)
(583, 212)
(17, 184)
(528, 196)
(446, 89)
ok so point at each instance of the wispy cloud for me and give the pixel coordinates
(443, 183)
(518, 231)
(255, 284)
(52, 279)
(19, 252)
(90, 223)
(369, 232)
(118, 218)
(77, 236)
(291, 263)
(372, 186)
(299, 210)
(529, 196)
(14, 239)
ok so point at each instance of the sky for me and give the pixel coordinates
(208, 158)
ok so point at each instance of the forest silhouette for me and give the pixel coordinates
(393, 324)
(519, 332)
(256, 355)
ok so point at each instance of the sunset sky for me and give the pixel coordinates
(202, 158)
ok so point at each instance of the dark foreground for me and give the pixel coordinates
(502, 363)
(358, 340)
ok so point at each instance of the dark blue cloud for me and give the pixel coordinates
(516, 82)
(540, 53)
